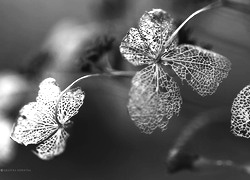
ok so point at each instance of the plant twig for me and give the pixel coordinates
(208, 7)
(112, 73)
(178, 159)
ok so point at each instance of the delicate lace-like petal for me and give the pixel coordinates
(153, 96)
(240, 120)
(34, 124)
(48, 93)
(53, 146)
(37, 121)
(156, 27)
(203, 70)
(69, 104)
(134, 49)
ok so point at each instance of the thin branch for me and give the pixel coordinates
(200, 121)
(178, 159)
(112, 73)
(216, 4)
(115, 73)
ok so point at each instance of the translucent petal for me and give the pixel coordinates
(48, 93)
(53, 146)
(203, 70)
(34, 124)
(155, 27)
(240, 120)
(134, 49)
(69, 104)
(153, 96)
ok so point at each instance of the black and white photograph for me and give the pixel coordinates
(124, 89)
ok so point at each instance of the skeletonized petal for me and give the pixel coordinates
(53, 146)
(69, 104)
(149, 104)
(156, 27)
(134, 49)
(34, 124)
(48, 93)
(240, 120)
(203, 70)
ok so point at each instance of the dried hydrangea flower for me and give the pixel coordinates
(154, 95)
(240, 120)
(44, 122)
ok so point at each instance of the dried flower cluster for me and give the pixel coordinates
(44, 122)
(154, 95)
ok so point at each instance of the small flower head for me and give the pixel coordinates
(43, 122)
(154, 95)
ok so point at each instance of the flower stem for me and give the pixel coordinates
(76, 81)
(120, 73)
(112, 73)
(208, 7)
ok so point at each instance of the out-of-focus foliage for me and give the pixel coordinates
(91, 57)
(7, 146)
(12, 89)
(69, 45)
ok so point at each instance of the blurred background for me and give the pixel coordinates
(67, 39)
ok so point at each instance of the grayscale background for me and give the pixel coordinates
(104, 143)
